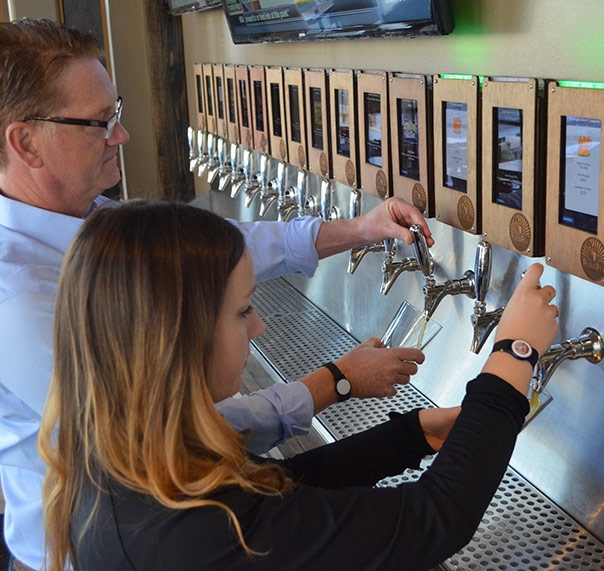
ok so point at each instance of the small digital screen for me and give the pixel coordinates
(294, 111)
(259, 106)
(245, 110)
(231, 100)
(316, 118)
(199, 94)
(408, 138)
(373, 128)
(455, 124)
(209, 95)
(580, 193)
(220, 97)
(507, 157)
(275, 102)
(343, 123)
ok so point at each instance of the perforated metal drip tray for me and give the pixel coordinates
(521, 529)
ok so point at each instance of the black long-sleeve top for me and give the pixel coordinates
(334, 519)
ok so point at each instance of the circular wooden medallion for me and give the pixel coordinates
(592, 259)
(520, 232)
(301, 156)
(465, 212)
(323, 164)
(381, 184)
(419, 197)
(351, 176)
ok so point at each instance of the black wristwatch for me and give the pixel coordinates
(518, 348)
(343, 386)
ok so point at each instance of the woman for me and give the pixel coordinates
(153, 325)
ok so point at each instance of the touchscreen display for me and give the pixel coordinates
(199, 94)
(580, 193)
(455, 124)
(259, 106)
(275, 103)
(373, 129)
(209, 95)
(220, 97)
(408, 138)
(343, 123)
(294, 111)
(231, 100)
(507, 159)
(245, 110)
(316, 118)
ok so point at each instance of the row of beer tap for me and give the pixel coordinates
(233, 168)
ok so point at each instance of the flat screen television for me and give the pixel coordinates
(178, 7)
(252, 21)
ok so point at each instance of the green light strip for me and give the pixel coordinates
(455, 76)
(581, 84)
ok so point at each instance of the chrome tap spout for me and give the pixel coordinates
(484, 323)
(271, 191)
(589, 345)
(244, 174)
(391, 269)
(266, 201)
(292, 199)
(357, 254)
(434, 294)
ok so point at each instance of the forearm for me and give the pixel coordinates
(340, 235)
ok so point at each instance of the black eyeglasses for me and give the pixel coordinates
(108, 125)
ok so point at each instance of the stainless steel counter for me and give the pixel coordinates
(549, 512)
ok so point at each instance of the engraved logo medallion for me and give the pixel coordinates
(323, 164)
(351, 175)
(301, 156)
(381, 184)
(465, 213)
(592, 259)
(419, 198)
(520, 232)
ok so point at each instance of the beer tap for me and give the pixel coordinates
(254, 179)
(293, 198)
(392, 269)
(193, 155)
(325, 200)
(483, 322)
(202, 152)
(589, 345)
(215, 153)
(247, 173)
(434, 293)
(271, 190)
(235, 174)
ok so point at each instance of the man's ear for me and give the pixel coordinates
(20, 141)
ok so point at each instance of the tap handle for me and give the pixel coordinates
(422, 253)
(355, 204)
(281, 178)
(482, 270)
(191, 138)
(264, 171)
(325, 207)
(301, 192)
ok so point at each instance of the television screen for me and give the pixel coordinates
(297, 20)
(178, 7)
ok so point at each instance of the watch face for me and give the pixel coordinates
(522, 349)
(343, 387)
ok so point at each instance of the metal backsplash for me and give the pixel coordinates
(561, 452)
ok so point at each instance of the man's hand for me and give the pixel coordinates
(373, 370)
(390, 219)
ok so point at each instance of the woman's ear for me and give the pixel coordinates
(20, 142)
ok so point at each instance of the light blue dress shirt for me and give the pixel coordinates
(32, 245)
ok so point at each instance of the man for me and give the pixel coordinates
(59, 116)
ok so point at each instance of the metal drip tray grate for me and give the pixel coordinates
(521, 529)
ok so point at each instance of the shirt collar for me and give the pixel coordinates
(51, 228)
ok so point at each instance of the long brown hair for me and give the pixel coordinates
(140, 292)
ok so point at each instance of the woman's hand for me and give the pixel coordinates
(436, 424)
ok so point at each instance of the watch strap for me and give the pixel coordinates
(508, 346)
(337, 377)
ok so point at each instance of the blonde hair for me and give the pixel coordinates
(140, 292)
